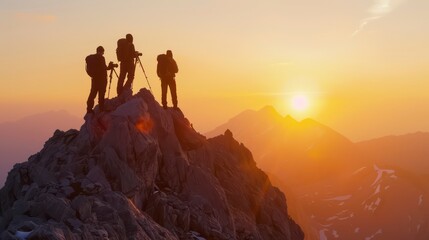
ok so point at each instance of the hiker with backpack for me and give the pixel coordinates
(166, 70)
(97, 70)
(126, 54)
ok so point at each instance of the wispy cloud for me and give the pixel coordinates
(35, 17)
(379, 9)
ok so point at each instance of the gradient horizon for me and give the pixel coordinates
(362, 64)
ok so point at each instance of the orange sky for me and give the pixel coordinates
(362, 63)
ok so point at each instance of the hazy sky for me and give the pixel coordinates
(362, 63)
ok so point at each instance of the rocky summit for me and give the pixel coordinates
(137, 171)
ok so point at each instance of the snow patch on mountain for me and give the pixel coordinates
(359, 170)
(339, 198)
(322, 234)
(379, 231)
(380, 173)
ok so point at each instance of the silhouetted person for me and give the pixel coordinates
(97, 69)
(166, 70)
(126, 57)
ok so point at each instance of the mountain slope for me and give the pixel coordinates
(20, 139)
(410, 151)
(142, 172)
(338, 189)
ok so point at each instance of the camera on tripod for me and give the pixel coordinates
(137, 53)
(112, 65)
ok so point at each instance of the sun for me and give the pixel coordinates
(300, 102)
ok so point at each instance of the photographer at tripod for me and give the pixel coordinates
(97, 70)
(126, 54)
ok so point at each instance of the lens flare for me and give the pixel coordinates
(144, 124)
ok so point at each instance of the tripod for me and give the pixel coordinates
(110, 80)
(141, 65)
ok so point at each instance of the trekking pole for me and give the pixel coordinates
(141, 65)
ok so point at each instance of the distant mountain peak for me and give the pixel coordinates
(268, 109)
(43, 116)
(290, 119)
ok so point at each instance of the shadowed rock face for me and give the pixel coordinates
(142, 172)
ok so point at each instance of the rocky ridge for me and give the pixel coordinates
(141, 172)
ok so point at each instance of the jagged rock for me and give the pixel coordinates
(56, 208)
(141, 172)
(24, 223)
(20, 207)
(32, 192)
(73, 223)
(8, 236)
(52, 231)
(189, 139)
(83, 207)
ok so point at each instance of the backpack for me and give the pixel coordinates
(90, 61)
(161, 67)
(122, 49)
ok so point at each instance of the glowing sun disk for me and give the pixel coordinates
(300, 102)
